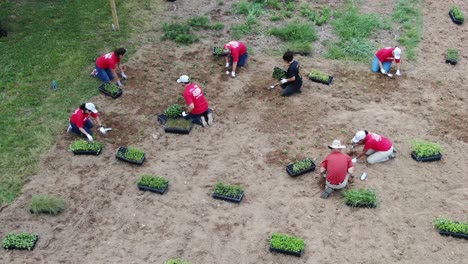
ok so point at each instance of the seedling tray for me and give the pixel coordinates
(146, 188)
(362, 205)
(18, 248)
(454, 20)
(427, 159)
(87, 152)
(216, 54)
(177, 130)
(457, 235)
(162, 119)
(124, 150)
(328, 82)
(287, 252)
(104, 91)
(453, 62)
(302, 53)
(289, 170)
(278, 73)
(227, 198)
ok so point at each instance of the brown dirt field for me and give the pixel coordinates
(255, 135)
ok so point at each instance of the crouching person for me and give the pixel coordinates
(80, 123)
(197, 105)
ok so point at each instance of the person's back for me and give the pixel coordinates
(337, 167)
(194, 94)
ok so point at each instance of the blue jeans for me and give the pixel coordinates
(196, 119)
(242, 59)
(104, 75)
(87, 126)
(376, 67)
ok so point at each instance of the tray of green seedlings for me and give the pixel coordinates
(360, 198)
(232, 193)
(110, 89)
(153, 183)
(452, 56)
(218, 52)
(320, 77)
(131, 155)
(83, 147)
(278, 73)
(426, 151)
(448, 227)
(22, 241)
(176, 260)
(178, 126)
(43, 204)
(300, 167)
(456, 15)
(286, 244)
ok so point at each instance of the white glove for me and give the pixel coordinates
(227, 65)
(283, 81)
(119, 84)
(354, 160)
(227, 72)
(383, 71)
(233, 74)
(124, 76)
(398, 73)
(90, 138)
(184, 114)
(102, 130)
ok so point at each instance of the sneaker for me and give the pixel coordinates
(210, 119)
(94, 73)
(326, 193)
(69, 128)
(299, 91)
(204, 124)
(392, 156)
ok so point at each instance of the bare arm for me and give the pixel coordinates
(190, 107)
(116, 77)
(83, 131)
(98, 120)
(234, 66)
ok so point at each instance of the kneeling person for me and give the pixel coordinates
(197, 105)
(293, 81)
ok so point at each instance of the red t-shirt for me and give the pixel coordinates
(79, 117)
(376, 142)
(194, 94)
(237, 49)
(337, 165)
(386, 55)
(108, 61)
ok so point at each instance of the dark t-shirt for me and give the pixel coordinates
(293, 70)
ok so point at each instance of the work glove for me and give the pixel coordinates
(354, 160)
(283, 81)
(227, 65)
(398, 73)
(233, 74)
(227, 72)
(90, 138)
(119, 84)
(102, 130)
(383, 71)
(184, 114)
(124, 76)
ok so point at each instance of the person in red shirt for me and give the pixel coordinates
(237, 55)
(377, 147)
(106, 64)
(337, 168)
(197, 105)
(80, 123)
(383, 60)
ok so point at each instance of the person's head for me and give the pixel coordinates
(397, 53)
(120, 52)
(288, 56)
(183, 79)
(226, 51)
(336, 146)
(360, 135)
(88, 108)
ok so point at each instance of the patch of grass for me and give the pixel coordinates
(318, 17)
(354, 49)
(408, 13)
(200, 21)
(46, 205)
(295, 32)
(179, 33)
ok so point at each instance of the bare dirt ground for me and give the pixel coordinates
(256, 133)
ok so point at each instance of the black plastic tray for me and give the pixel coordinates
(285, 72)
(287, 252)
(102, 90)
(330, 79)
(362, 205)
(456, 21)
(227, 198)
(289, 170)
(428, 159)
(87, 152)
(457, 235)
(453, 62)
(124, 149)
(162, 119)
(146, 188)
(177, 130)
(14, 247)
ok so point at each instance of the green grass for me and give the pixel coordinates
(408, 13)
(49, 41)
(299, 35)
(358, 198)
(447, 225)
(179, 33)
(46, 204)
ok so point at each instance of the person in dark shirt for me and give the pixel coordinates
(293, 81)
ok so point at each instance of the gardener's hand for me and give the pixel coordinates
(383, 71)
(184, 114)
(227, 72)
(354, 160)
(283, 81)
(124, 76)
(90, 138)
(227, 65)
(233, 74)
(102, 130)
(119, 84)
(398, 73)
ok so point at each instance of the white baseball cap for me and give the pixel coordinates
(91, 107)
(360, 135)
(397, 53)
(183, 79)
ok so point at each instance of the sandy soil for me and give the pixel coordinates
(256, 133)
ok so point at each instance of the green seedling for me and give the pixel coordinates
(232, 191)
(447, 225)
(360, 198)
(318, 75)
(452, 54)
(46, 205)
(278, 73)
(151, 181)
(111, 88)
(457, 13)
(83, 145)
(19, 241)
(287, 243)
(174, 111)
(301, 165)
(217, 51)
(178, 260)
(132, 154)
(178, 123)
(424, 149)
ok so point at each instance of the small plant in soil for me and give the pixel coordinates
(83, 145)
(452, 54)
(425, 149)
(301, 165)
(179, 123)
(132, 154)
(217, 51)
(360, 198)
(232, 191)
(111, 88)
(46, 205)
(457, 13)
(447, 225)
(315, 74)
(174, 111)
(19, 241)
(278, 73)
(176, 261)
(286, 243)
(151, 181)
